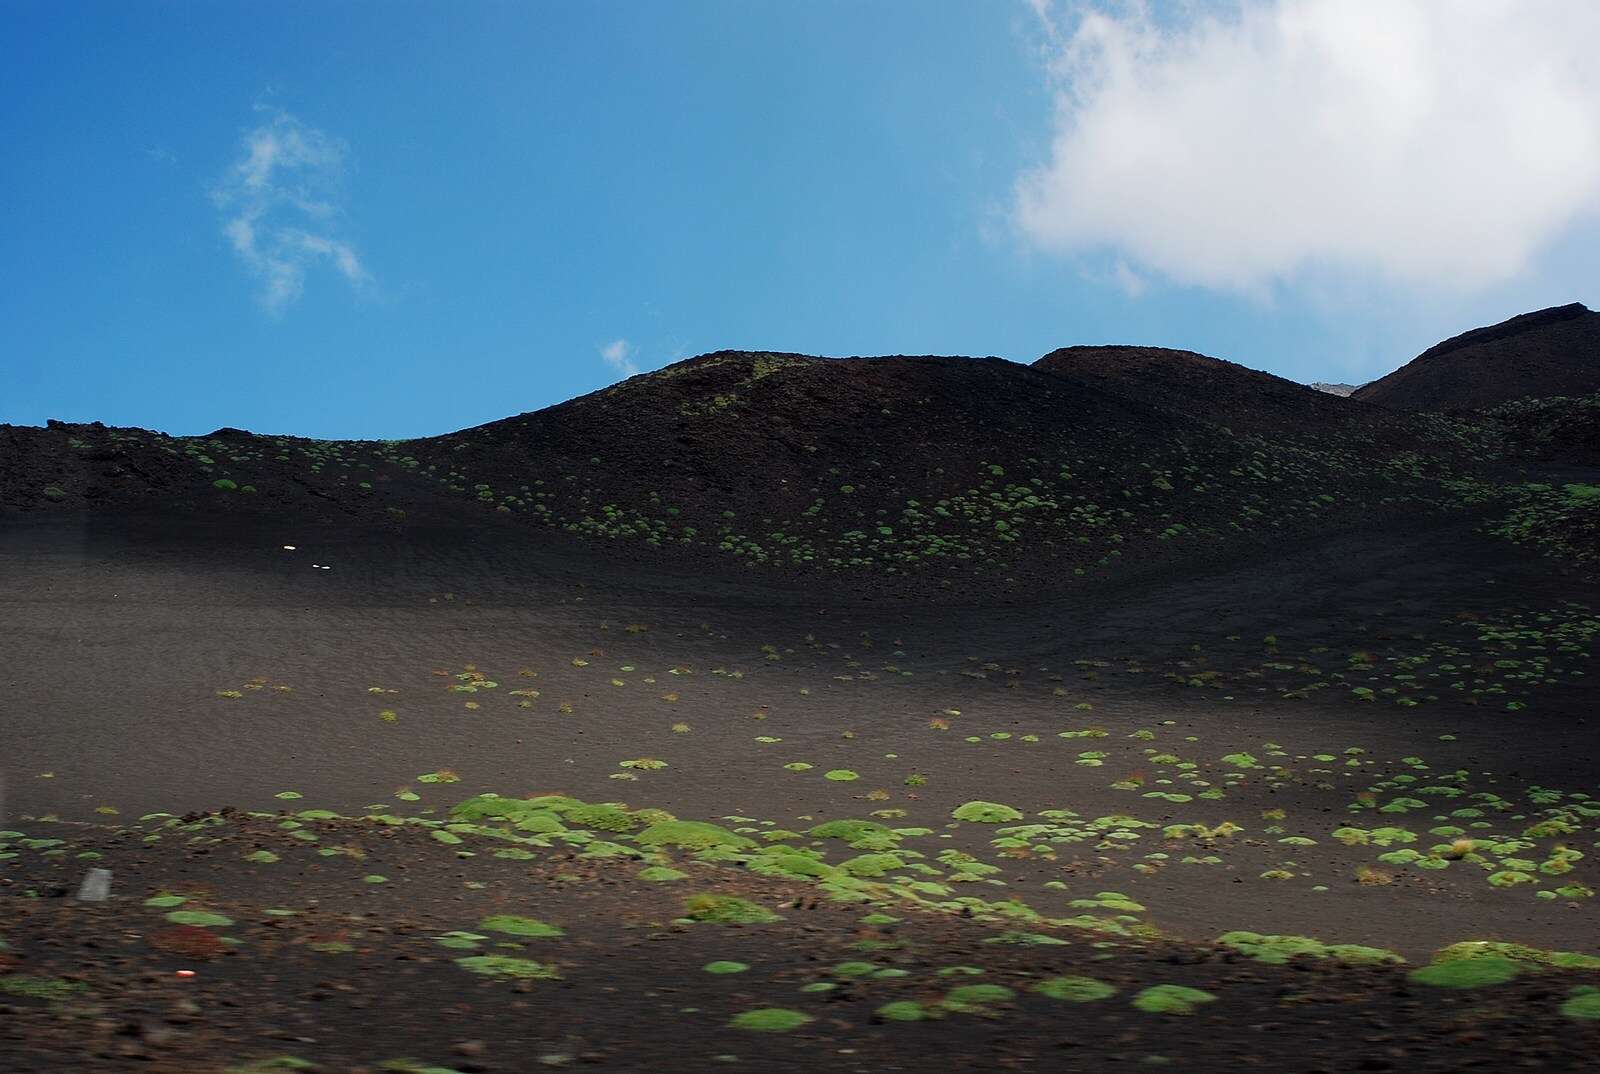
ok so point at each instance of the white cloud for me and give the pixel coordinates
(1133, 285)
(280, 203)
(618, 354)
(1442, 144)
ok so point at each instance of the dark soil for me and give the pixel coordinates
(1551, 352)
(120, 636)
(354, 978)
(1196, 385)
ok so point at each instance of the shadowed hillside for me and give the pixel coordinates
(1560, 428)
(1207, 388)
(933, 467)
(1550, 352)
(914, 473)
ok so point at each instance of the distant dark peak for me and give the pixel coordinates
(710, 356)
(1149, 365)
(228, 432)
(1122, 350)
(1523, 322)
(714, 357)
(967, 358)
(726, 359)
(1194, 385)
(1542, 354)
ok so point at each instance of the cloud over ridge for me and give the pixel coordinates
(619, 355)
(1442, 144)
(280, 206)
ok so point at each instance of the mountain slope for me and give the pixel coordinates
(1188, 383)
(1546, 353)
(932, 466)
(907, 463)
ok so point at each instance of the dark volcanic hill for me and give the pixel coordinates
(774, 431)
(934, 466)
(1547, 353)
(895, 463)
(1185, 382)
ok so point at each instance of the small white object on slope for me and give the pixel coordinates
(96, 886)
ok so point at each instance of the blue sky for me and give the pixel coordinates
(394, 219)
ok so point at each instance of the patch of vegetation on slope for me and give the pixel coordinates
(1560, 520)
(1562, 428)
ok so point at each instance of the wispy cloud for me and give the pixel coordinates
(280, 202)
(1439, 144)
(618, 354)
(1133, 285)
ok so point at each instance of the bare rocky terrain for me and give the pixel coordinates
(777, 712)
(1543, 354)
